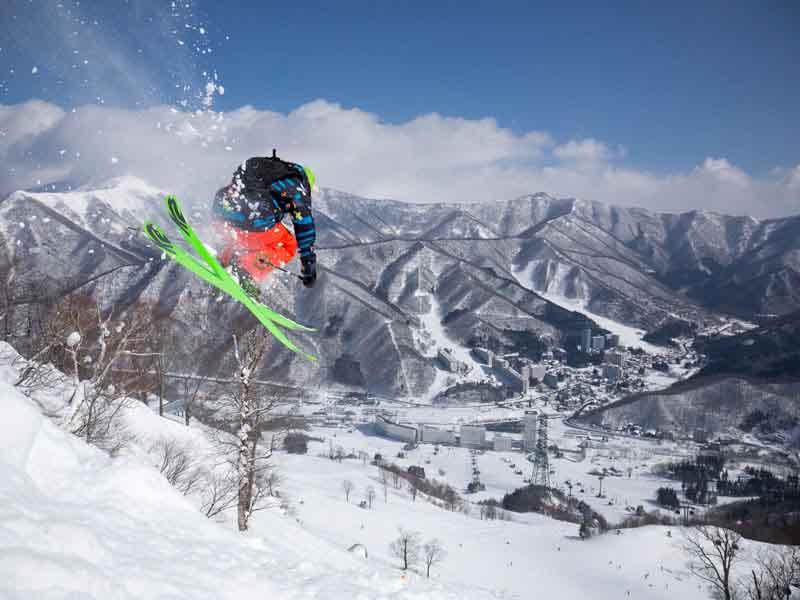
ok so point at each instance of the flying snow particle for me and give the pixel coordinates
(34, 70)
(228, 148)
(114, 160)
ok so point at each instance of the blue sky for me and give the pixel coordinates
(663, 86)
(671, 82)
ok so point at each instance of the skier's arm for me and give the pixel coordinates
(304, 232)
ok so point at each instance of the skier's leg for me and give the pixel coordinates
(275, 247)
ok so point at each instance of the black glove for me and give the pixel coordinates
(308, 272)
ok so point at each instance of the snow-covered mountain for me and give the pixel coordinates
(390, 271)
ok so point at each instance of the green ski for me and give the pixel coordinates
(212, 272)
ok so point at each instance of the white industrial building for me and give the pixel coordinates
(432, 435)
(449, 361)
(396, 431)
(530, 421)
(502, 443)
(537, 372)
(473, 436)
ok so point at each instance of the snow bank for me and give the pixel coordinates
(76, 523)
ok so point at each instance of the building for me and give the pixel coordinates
(598, 343)
(550, 380)
(515, 380)
(396, 431)
(530, 422)
(526, 379)
(612, 372)
(502, 443)
(700, 435)
(614, 357)
(586, 339)
(450, 362)
(536, 373)
(560, 354)
(432, 435)
(484, 356)
(612, 340)
(473, 436)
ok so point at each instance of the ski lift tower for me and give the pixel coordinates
(541, 465)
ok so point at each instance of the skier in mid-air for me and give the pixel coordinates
(262, 192)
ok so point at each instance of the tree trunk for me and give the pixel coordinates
(243, 467)
(161, 384)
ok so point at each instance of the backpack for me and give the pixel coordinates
(259, 172)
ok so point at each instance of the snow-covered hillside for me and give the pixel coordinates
(76, 523)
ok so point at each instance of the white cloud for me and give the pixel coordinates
(723, 171)
(588, 150)
(431, 158)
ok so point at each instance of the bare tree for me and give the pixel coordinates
(176, 464)
(433, 553)
(347, 486)
(777, 572)
(713, 551)
(253, 415)
(370, 495)
(250, 415)
(406, 548)
(396, 480)
(88, 345)
(412, 489)
(600, 478)
(272, 479)
(219, 492)
(192, 393)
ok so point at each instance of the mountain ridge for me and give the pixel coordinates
(484, 262)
